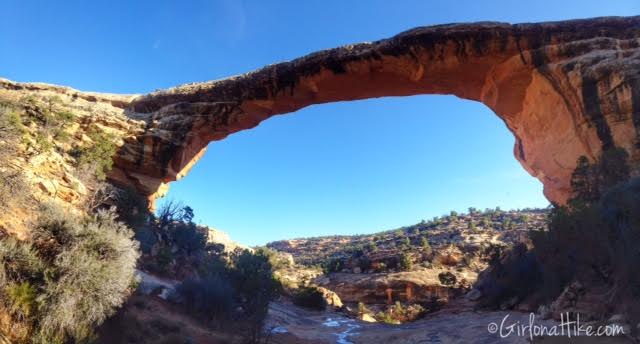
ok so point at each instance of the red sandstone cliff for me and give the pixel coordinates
(564, 89)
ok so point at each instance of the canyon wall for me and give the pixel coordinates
(564, 89)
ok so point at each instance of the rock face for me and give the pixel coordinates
(414, 286)
(44, 153)
(564, 89)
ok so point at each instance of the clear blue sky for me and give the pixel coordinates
(332, 169)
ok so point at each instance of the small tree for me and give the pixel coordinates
(189, 237)
(253, 280)
(97, 156)
(334, 265)
(211, 297)
(447, 278)
(372, 247)
(424, 243)
(169, 212)
(406, 263)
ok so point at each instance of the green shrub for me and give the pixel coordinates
(97, 156)
(424, 243)
(214, 264)
(65, 117)
(398, 313)
(590, 181)
(61, 135)
(447, 278)
(277, 259)
(132, 208)
(19, 262)
(95, 271)
(406, 262)
(381, 267)
(188, 237)
(372, 246)
(146, 237)
(14, 190)
(164, 258)
(81, 267)
(253, 280)
(387, 318)
(362, 309)
(11, 129)
(22, 298)
(513, 273)
(211, 297)
(591, 240)
(43, 143)
(334, 265)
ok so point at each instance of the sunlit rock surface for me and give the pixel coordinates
(564, 89)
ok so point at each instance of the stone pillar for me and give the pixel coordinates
(409, 290)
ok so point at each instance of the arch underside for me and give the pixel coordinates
(564, 89)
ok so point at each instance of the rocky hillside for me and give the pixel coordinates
(381, 252)
(66, 261)
(61, 141)
(400, 275)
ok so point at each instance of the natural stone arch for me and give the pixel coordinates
(564, 89)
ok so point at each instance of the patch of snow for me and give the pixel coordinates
(278, 330)
(331, 323)
(350, 325)
(149, 283)
(164, 294)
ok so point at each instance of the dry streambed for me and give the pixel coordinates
(295, 325)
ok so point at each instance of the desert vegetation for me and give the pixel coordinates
(586, 254)
(72, 267)
(12, 181)
(406, 248)
(228, 291)
(399, 313)
(95, 158)
(234, 298)
(69, 278)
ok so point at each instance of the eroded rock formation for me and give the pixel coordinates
(415, 286)
(564, 89)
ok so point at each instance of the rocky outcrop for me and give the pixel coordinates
(216, 236)
(48, 126)
(380, 288)
(564, 89)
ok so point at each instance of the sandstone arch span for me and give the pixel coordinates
(564, 89)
